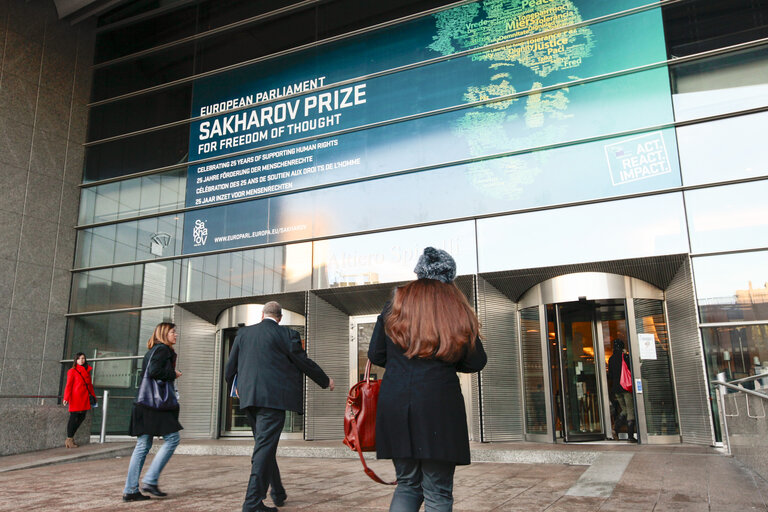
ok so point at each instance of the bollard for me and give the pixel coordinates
(104, 409)
(720, 395)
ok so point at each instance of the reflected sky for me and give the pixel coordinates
(723, 150)
(631, 228)
(727, 83)
(720, 276)
(391, 256)
(728, 218)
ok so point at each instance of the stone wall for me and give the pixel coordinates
(44, 89)
(29, 428)
(45, 72)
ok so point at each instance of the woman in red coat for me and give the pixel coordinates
(77, 395)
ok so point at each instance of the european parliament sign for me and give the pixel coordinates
(301, 123)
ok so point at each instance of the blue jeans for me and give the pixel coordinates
(143, 444)
(418, 480)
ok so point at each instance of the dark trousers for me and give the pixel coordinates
(427, 481)
(267, 424)
(75, 420)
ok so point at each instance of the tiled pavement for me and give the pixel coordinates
(655, 479)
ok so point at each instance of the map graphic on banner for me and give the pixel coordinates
(493, 22)
(288, 99)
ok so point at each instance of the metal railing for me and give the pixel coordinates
(737, 385)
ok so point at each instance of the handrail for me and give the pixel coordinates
(739, 388)
(750, 378)
(31, 396)
(97, 359)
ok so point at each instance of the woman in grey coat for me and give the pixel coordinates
(423, 337)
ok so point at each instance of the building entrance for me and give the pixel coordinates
(569, 328)
(581, 336)
(233, 421)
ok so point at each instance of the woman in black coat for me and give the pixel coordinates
(160, 364)
(624, 397)
(427, 334)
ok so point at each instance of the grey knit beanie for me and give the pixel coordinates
(436, 264)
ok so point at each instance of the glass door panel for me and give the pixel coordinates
(612, 319)
(533, 372)
(582, 406)
(363, 329)
(556, 378)
(234, 421)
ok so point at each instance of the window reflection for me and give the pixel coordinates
(152, 284)
(701, 148)
(139, 112)
(630, 228)
(114, 335)
(696, 26)
(732, 287)
(728, 218)
(146, 71)
(169, 146)
(389, 257)
(722, 84)
(739, 351)
(126, 242)
(247, 273)
(122, 334)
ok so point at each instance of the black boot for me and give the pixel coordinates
(631, 431)
(619, 422)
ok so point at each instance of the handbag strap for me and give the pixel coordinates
(146, 369)
(84, 382)
(368, 471)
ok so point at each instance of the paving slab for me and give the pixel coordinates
(655, 479)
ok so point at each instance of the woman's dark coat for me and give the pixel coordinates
(614, 371)
(421, 413)
(150, 421)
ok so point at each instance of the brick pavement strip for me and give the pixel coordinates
(653, 481)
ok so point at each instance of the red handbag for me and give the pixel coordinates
(360, 419)
(626, 376)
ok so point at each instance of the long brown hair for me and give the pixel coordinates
(430, 318)
(160, 334)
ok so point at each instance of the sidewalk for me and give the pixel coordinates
(621, 477)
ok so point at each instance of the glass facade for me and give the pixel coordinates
(286, 148)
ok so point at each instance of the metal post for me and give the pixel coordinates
(104, 409)
(721, 407)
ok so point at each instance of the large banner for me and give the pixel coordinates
(378, 128)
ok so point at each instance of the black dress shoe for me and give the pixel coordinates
(261, 507)
(135, 496)
(279, 501)
(153, 490)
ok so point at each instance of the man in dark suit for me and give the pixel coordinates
(269, 360)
